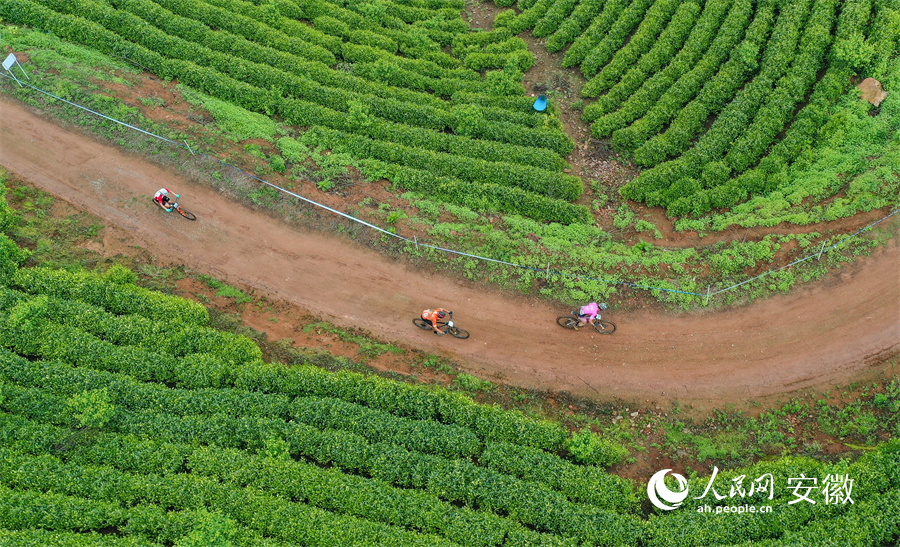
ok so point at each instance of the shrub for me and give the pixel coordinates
(586, 447)
(120, 275)
(92, 408)
(11, 257)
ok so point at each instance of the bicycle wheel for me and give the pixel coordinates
(604, 326)
(421, 323)
(567, 321)
(186, 214)
(458, 332)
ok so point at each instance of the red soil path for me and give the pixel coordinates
(837, 330)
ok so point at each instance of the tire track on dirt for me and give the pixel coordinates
(821, 334)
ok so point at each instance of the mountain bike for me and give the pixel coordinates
(603, 326)
(447, 327)
(176, 207)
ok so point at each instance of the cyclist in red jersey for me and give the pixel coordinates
(161, 197)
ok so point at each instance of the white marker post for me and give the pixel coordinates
(8, 64)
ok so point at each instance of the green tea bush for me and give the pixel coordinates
(574, 24)
(92, 408)
(27, 510)
(644, 54)
(580, 483)
(780, 104)
(274, 516)
(554, 16)
(372, 39)
(111, 296)
(647, 16)
(7, 214)
(251, 29)
(332, 26)
(598, 28)
(709, 86)
(588, 448)
(532, 179)
(11, 257)
(524, 20)
(284, 16)
(41, 538)
(637, 93)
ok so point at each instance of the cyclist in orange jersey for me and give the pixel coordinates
(432, 317)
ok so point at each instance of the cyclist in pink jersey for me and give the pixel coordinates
(589, 312)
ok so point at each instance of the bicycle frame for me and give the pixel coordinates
(592, 322)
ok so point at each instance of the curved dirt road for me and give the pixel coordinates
(836, 330)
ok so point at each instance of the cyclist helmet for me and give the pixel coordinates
(442, 314)
(602, 306)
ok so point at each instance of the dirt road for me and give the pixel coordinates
(836, 330)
